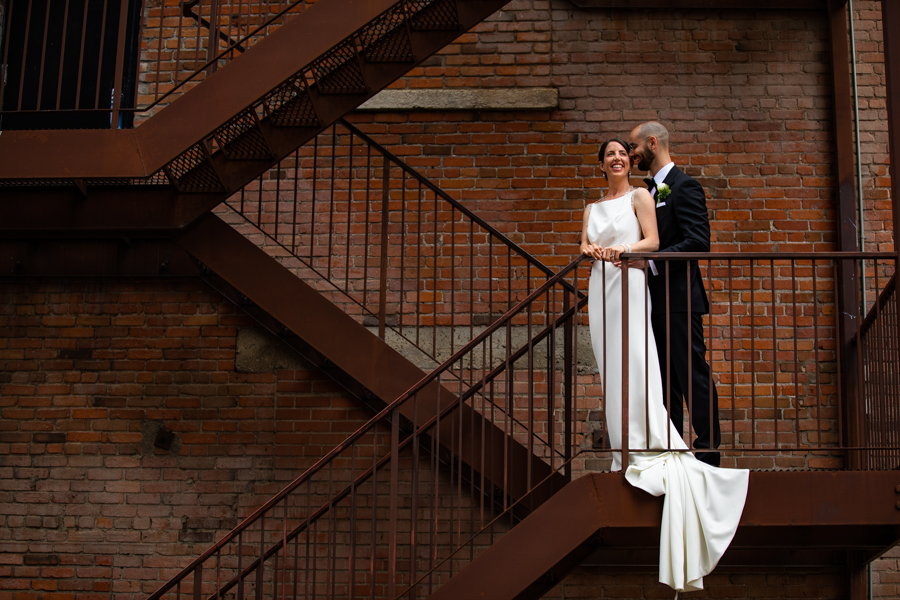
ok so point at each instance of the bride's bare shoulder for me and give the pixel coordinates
(642, 195)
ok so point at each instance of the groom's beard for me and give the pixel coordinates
(647, 158)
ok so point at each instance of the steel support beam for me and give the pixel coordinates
(890, 28)
(603, 512)
(848, 226)
(709, 4)
(351, 348)
(113, 257)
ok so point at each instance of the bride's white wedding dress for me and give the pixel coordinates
(703, 504)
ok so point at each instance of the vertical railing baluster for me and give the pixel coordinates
(62, 47)
(44, 44)
(26, 45)
(100, 54)
(860, 415)
(394, 493)
(198, 582)
(349, 219)
(366, 238)
(334, 158)
(419, 242)
(452, 307)
(277, 198)
(625, 367)
(529, 316)
(690, 366)
(294, 213)
(312, 214)
(212, 42)
(774, 357)
(400, 311)
(352, 552)
(84, 21)
(240, 570)
(839, 353)
(752, 359)
(262, 554)
(796, 354)
(815, 312)
(732, 359)
(4, 60)
(414, 500)
(120, 65)
(385, 207)
(668, 382)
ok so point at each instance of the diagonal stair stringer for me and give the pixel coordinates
(364, 357)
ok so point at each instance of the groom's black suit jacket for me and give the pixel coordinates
(683, 227)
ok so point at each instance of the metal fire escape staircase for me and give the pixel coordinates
(458, 486)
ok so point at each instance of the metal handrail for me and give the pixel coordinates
(373, 422)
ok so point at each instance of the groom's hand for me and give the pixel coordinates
(632, 264)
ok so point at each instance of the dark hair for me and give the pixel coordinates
(619, 141)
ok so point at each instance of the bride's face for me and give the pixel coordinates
(616, 162)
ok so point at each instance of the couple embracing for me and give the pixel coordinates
(703, 503)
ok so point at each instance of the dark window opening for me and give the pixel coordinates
(59, 63)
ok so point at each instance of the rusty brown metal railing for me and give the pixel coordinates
(879, 350)
(390, 513)
(387, 511)
(396, 251)
(790, 396)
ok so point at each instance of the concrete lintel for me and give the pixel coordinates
(469, 99)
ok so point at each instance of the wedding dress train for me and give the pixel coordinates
(703, 504)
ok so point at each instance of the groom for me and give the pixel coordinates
(683, 227)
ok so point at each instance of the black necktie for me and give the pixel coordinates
(650, 183)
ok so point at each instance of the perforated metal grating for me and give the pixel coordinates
(433, 15)
(289, 105)
(36, 182)
(338, 72)
(192, 172)
(386, 39)
(241, 139)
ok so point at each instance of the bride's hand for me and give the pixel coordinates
(593, 250)
(612, 253)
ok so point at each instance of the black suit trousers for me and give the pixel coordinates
(694, 390)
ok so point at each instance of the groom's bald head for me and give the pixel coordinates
(654, 129)
(650, 147)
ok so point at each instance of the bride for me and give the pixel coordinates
(703, 504)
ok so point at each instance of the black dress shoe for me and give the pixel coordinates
(710, 458)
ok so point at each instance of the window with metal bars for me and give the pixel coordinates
(64, 59)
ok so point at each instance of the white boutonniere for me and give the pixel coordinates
(662, 192)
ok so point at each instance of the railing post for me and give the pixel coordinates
(382, 288)
(198, 582)
(120, 65)
(625, 365)
(394, 492)
(213, 41)
(569, 369)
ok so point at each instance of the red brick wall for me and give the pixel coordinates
(89, 372)
(746, 95)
